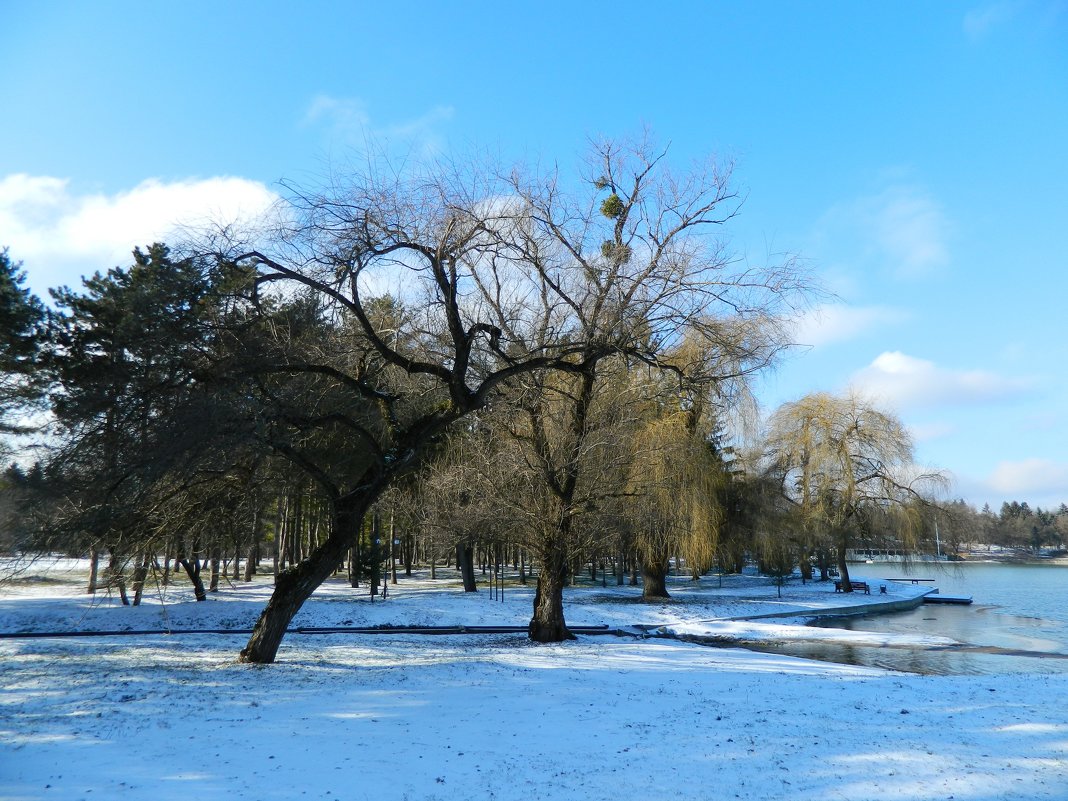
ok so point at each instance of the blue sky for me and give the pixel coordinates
(912, 153)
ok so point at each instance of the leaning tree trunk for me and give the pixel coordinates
(192, 569)
(547, 624)
(296, 584)
(116, 578)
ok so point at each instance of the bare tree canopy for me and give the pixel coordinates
(454, 284)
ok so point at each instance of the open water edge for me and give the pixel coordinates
(1018, 623)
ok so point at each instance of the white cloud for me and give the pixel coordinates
(838, 322)
(61, 234)
(1038, 481)
(346, 114)
(1031, 478)
(905, 381)
(911, 229)
(349, 123)
(926, 432)
(902, 230)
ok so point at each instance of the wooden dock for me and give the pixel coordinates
(934, 597)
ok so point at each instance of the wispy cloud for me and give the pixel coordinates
(979, 22)
(346, 115)
(838, 322)
(902, 230)
(61, 234)
(1040, 482)
(926, 432)
(904, 381)
(1031, 478)
(348, 122)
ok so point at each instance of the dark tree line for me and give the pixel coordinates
(1016, 525)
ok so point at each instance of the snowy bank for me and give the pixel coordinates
(432, 718)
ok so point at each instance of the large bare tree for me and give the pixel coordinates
(503, 275)
(635, 264)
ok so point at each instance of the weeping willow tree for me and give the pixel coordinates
(844, 465)
(673, 490)
(679, 484)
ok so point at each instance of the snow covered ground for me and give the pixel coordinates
(391, 716)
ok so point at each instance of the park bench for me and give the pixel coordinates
(858, 586)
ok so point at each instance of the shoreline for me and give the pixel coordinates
(744, 611)
(976, 558)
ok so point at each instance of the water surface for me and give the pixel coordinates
(1018, 622)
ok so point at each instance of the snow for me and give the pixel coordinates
(390, 716)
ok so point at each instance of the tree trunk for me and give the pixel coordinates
(824, 563)
(252, 555)
(295, 585)
(216, 557)
(654, 578)
(166, 563)
(843, 568)
(279, 535)
(409, 553)
(294, 530)
(465, 559)
(116, 578)
(237, 560)
(139, 576)
(547, 624)
(806, 566)
(376, 555)
(94, 567)
(192, 569)
(392, 548)
(250, 562)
